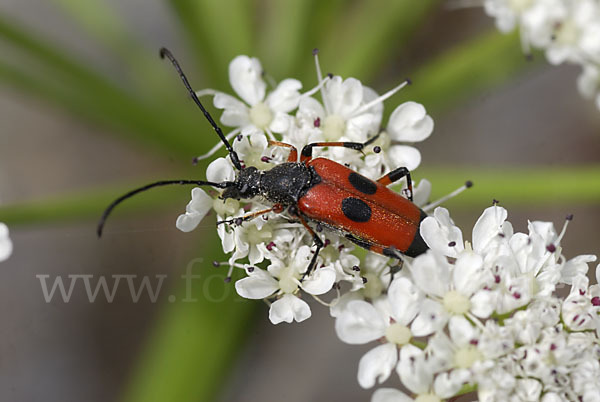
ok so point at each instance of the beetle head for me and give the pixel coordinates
(246, 186)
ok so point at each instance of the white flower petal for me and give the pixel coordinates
(440, 233)
(358, 128)
(360, 323)
(288, 309)
(448, 384)
(431, 318)
(188, 222)
(320, 281)
(227, 236)
(461, 330)
(404, 298)
(340, 304)
(257, 285)
(235, 113)
(309, 109)
(431, 273)
(281, 122)
(196, 210)
(390, 395)
(377, 365)
(220, 170)
(528, 389)
(576, 266)
(245, 76)
(344, 97)
(285, 97)
(405, 155)
(409, 122)
(440, 352)
(483, 303)
(488, 226)
(422, 192)
(413, 370)
(6, 245)
(468, 274)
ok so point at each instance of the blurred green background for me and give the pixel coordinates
(88, 110)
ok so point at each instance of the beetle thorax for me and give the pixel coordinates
(287, 182)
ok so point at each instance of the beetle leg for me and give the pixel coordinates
(277, 208)
(293, 157)
(319, 244)
(396, 175)
(306, 154)
(395, 269)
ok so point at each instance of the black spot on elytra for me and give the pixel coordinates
(362, 184)
(356, 209)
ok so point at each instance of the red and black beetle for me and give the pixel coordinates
(318, 190)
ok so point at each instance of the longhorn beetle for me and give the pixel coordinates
(317, 190)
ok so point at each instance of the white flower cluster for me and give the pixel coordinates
(482, 316)
(273, 249)
(478, 316)
(567, 30)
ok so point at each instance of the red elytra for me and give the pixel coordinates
(393, 220)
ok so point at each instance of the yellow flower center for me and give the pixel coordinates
(333, 127)
(466, 356)
(567, 33)
(260, 115)
(227, 207)
(398, 334)
(427, 398)
(456, 303)
(287, 281)
(254, 235)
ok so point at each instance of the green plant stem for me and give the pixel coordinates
(194, 344)
(517, 186)
(524, 186)
(90, 204)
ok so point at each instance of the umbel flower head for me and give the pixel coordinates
(566, 30)
(481, 315)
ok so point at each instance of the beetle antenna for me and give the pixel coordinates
(164, 52)
(131, 193)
